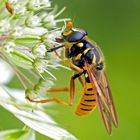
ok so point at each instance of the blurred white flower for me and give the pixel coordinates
(17, 32)
(40, 50)
(6, 72)
(37, 4)
(9, 47)
(18, 9)
(27, 29)
(32, 115)
(33, 20)
(13, 1)
(4, 25)
(35, 31)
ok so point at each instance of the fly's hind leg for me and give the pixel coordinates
(53, 99)
(59, 101)
(49, 100)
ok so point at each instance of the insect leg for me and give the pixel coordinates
(60, 90)
(49, 100)
(81, 81)
(71, 65)
(72, 86)
(59, 101)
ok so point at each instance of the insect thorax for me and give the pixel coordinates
(85, 51)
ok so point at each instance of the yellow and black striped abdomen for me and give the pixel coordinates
(87, 102)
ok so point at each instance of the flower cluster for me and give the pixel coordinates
(27, 29)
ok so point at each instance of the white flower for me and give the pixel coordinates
(13, 1)
(4, 25)
(41, 65)
(34, 31)
(18, 9)
(14, 101)
(9, 47)
(37, 4)
(51, 38)
(37, 119)
(40, 50)
(18, 31)
(34, 21)
(47, 3)
(30, 29)
(6, 72)
(49, 21)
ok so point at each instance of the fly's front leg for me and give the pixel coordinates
(67, 62)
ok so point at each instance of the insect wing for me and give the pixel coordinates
(104, 84)
(102, 99)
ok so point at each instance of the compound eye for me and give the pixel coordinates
(76, 36)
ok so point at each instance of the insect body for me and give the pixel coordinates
(87, 56)
(88, 64)
(81, 51)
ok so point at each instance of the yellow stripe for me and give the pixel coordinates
(66, 33)
(94, 60)
(88, 49)
(85, 107)
(78, 57)
(80, 44)
(88, 85)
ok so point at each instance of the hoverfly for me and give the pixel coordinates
(88, 63)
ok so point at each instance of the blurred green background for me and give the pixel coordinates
(115, 26)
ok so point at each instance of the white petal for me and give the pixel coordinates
(35, 31)
(6, 72)
(36, 119)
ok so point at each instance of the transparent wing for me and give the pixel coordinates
(104, 98)
(103, 83)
